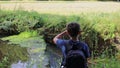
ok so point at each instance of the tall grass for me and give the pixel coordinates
(97, 27)
(99, 30)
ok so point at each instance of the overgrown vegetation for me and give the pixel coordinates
(99, 30)
(10, 53)
(18, 39)
(20, 48)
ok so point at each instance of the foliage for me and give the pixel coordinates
(97, 27)
(4, 63)
(106, 63)
(22, 37)
(11, 54)
(19, 20)
(24, 20)
(98, 31)
(106, 60)
(22, 47)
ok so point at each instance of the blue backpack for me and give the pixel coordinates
(75, 56)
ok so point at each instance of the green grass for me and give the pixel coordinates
(12, 54)
(18, 48)
(105, 60)
(106, 63)
(23, 35)
(94, 25)
(26, 39)
(99, 29)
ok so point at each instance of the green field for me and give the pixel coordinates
(99, 22)
(62, 7)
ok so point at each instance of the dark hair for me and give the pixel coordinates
(73, 29)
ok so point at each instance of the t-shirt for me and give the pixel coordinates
(63, 43)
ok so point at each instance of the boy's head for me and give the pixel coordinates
(73, 29)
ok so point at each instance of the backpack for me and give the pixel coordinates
(75, 56)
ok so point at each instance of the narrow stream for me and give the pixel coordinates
(50, 58)
(33, 56)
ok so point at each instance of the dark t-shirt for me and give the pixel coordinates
(63, 43)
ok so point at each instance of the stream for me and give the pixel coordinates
(32, 56)
(51, 58)
(32, 52)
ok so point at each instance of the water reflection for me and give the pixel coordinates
(54, 56)
(50, 58)
(11, 53)
(19, 65)
(31, 57)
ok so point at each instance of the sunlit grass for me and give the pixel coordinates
(106, 63)
(93, 25)
(62, 7)
(23, 38)
(21, 47)
(12, 54)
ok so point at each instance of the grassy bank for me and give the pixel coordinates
(100, 30)
(20, 48)
(11, 53)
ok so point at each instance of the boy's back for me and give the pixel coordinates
(68, 47)
(73, 47)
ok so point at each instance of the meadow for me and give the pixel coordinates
(62, 7)
(101, 29)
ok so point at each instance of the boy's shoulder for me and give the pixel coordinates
(83, 43)
(62, 42)
(80, 43)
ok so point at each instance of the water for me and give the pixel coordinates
(33, 56)
(51, 58)
(54, 55)
(32, 53)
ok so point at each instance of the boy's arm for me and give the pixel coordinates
(59, 36)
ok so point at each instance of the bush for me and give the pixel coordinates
(99, 29)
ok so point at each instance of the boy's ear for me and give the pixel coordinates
(80, 32)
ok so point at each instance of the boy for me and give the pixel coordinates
(73, 31)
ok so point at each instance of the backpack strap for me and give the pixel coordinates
(69, 45)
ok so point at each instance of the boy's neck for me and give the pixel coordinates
(74, 39)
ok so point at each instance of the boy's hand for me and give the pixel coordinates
(59, 36)
(65, 32)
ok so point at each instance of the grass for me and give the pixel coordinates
(22, 47)
(62, 7)
(99, 30)
(106, 63)
(12, 54)
(4, 63)
(25, 39)
(104, 26)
